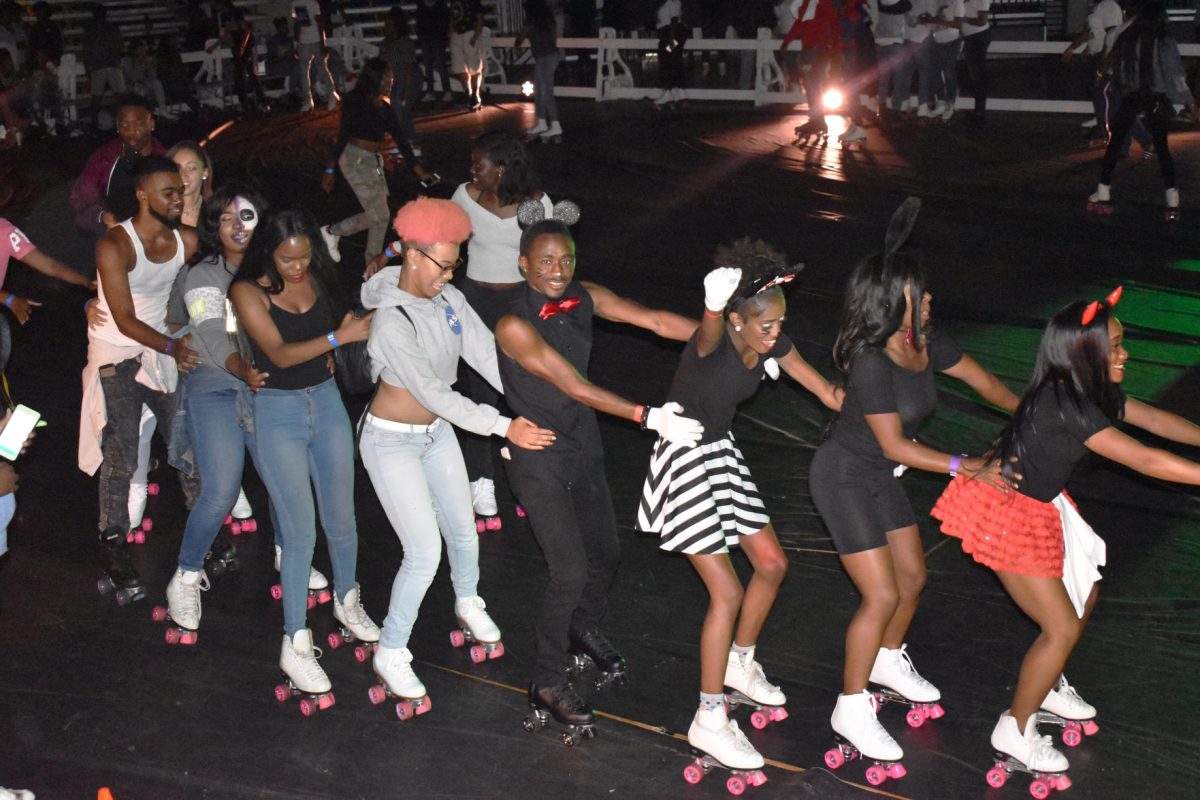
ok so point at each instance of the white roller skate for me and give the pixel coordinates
(318, 585)
(393, 668)
(716, 741)
(183, 606)
(355, 625)
(1171, 214)
(928, 112)
(1066, 709)
(483, 499)
(859, 735)
(856, 133)
(1027, 752)
(303, 675)
(750, 687)
(900, 682)
(476, 626)
(553, 134)
(241, 518)
(1100, 201)
(538, 127)
(331, 240)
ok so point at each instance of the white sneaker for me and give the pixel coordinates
(539, 127)
(242, 509)
(183, 597)
(948, 113)
(1063, 701)
(855, 134)
(316, 580)
(483, 497)
(472, 616)
(353, 617)
(1103, 194)
(394, 667)
(298, 660)
(331, 242)
(931, 113)
(1032, 750)
(714, 733)
(555, 129)
(745, 674)
(894, 670)
(854, 719)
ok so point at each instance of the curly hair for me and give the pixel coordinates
(506, 149)
(759, 263)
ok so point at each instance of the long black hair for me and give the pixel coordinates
(209, 228)
(505, 149)
(1072, 370)
(1136, 48)
(259, 261)
(874, 306)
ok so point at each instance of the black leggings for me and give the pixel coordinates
(1158, 111)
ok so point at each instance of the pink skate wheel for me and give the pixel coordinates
(249, 525)
(759, 720)
(480, 526)
(478, 654)
(1039, 789)
(457, 639)
(335, 640)
(104, 586)
(152, 489)
(377, 694)
(756, 778)
(282, 693)
(778, 714)
(189, 638)
(158, 614)
(326, 700)
(172, 636)
(404, 710)
(1071, 737)
(361, 652)
(139, 536)
(324, 596)
(497, 651)
(277, 592)
(735, 785)
(235, 528)
(1062, 783)
(914, 718)
(228, 519)
(834, 758)
(1090, 727)
(692, 773)
(312, 602)
(997, 777)
(147, 524)
(875, 775)
(424, 706)
(936, 711)
(494, 524)
(896, 771)
(308, 707)
(521, 511)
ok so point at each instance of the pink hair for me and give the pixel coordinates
(429, 220)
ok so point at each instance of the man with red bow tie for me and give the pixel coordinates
(544, 344)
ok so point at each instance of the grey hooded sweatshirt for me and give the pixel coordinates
(420, 352)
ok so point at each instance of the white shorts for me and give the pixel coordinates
(465, 57)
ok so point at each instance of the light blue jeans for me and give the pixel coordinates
(8, 507)
(304, 442)
(422, 485)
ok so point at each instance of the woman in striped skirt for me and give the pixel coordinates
(702, 501)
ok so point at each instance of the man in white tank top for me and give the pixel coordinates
(132, 360)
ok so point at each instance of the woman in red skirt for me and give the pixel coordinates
(1043, 552)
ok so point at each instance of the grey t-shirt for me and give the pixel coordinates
(199, 301)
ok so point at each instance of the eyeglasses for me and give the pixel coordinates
(458, 263)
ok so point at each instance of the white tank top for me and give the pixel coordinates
(150, 285)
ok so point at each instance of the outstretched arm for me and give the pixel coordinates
(803, 373)
(989, 387)
(54, 268)
(1161, 423)
(615, 308)
(1151, 461)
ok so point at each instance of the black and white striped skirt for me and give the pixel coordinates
(700, 500)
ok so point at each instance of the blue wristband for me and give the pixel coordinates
(329, 170)
(332, 340)
(389, 252)
(8, 302)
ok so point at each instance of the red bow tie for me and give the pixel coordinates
(552, 308)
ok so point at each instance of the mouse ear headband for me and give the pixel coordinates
(900, 227)
(531, 212)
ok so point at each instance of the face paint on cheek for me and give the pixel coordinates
(247, 215)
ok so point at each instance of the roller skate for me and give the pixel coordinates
(927, 114)
(1066, 709)
(745, 677)
(483, 498)
(332, 242)
(476, 626)
(853, 135)
(859, 735)
(1171, 213)
(241, 519)
(716, 741)
(897, 681)
(138, 494)
(355, 626)
(591, 648)
(1029, 753)
(566, 708)
(1100, 201)
(222, 556)
(815, 131)
(539, 127)
(554, 135)
(393, 669)
(183, 601)
(302, 675)
(120, 576)
(137, 535)
(318, 586)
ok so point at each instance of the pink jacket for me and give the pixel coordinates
(87, 195)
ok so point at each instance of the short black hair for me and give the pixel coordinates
(547, 227)
(151, 165)
(133, 101)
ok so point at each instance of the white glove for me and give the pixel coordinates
(719, 286)
(771, 367)
(675, 429)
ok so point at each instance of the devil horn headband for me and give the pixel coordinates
(1089, 311)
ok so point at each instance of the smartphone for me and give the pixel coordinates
(19, 426)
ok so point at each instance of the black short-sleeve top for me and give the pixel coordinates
(1052, 442)
(711, 388)
(878, 385)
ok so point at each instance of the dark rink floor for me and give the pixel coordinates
(91, 696)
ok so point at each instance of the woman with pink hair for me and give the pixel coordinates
(421, 328)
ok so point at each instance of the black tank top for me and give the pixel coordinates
(570, 334)
(317, 321)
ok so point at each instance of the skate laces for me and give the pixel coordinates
(907, 666)
(471, 609)
(758, 679)
(570, 699)
(1067, 693)
(354, 612)
(596, 644)
(307, 662)
(731, 735)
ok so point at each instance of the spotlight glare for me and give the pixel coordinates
(527, 88)
(832, 100)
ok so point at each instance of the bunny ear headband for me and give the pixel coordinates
(900, 227)
(532, 212)
(768, 281)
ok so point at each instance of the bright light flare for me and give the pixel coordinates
(832, 100)
(527, 88)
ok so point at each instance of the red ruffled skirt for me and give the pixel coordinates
(1003, 530)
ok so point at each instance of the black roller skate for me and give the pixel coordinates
(120, 576)
(591, 648)
(815, 131)
(222, 556)
(566, 707)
